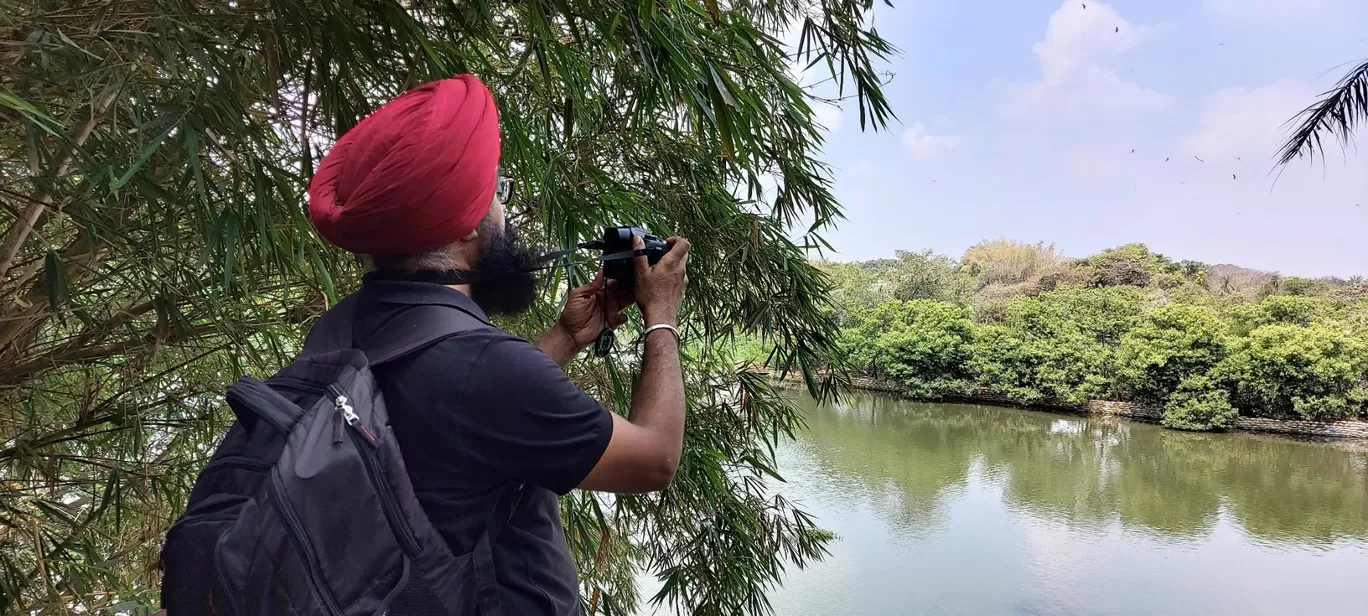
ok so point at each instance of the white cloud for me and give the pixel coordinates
(1269, 11)
(925, 146)
(1078, 59)
(829, 117)
(1246, 122)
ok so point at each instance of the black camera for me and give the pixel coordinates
(618, 254)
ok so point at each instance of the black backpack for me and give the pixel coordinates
(305, 507)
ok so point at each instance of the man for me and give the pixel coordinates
(415, 188)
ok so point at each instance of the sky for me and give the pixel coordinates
(1083, 127)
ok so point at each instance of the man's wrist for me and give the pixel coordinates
(558, 344)
(665, 330)
(654, 317)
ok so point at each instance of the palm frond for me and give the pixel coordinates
(1337, 113)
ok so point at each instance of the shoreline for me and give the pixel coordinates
(1295, 428)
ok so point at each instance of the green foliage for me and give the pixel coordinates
(1199, 403)
(1056, 346)
(1136, 265)
(1316, 372)
(922, 344)
(854, 289)
(1125, 323)
(153, 162)
(1170, 346)
(1307, 287)
(1068, 367)
(1282, 309)
(1101, 314)
(927, 275)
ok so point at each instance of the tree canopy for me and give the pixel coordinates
(1124, 324)
(155, 159)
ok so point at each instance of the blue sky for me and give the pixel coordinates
(1017, 119)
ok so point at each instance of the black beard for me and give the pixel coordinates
(503, 280)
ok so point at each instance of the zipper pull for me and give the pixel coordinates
(344, 408)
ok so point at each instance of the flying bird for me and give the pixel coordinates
(1220, 44)
(1184, 181)
(1166, 159)
(1085, 6)
(1232, 176)
(1118, 28)
(1239, 159)
(1132, 150)
(1199, 160)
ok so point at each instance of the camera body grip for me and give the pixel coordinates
(618, 240)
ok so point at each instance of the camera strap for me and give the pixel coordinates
(547, 259)
(544, 262)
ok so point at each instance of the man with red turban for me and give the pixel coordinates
(415, 188)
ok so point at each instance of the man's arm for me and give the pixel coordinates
(557, 344)
(645, 447)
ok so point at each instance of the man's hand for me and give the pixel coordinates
(646, 446)
(660, 287)
(588, 311)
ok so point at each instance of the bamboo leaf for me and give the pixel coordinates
(142, 158)
(228, 225)
(55, 281)
(38, 118)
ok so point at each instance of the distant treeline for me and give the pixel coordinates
(1206, 343)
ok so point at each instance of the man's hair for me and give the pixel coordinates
(443, 258)
(440, 259)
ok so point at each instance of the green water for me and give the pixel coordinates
(959, 509)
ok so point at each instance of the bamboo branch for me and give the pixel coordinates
(37, 202)
(78, 429)
(78, 348)
(82, 255)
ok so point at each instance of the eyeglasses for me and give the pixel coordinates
(504, 191)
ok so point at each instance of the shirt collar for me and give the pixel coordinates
(410, 293)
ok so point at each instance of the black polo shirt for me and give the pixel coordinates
(475, 412)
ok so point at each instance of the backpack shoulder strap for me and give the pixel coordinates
(333, 329)
(416, 328)
(413, 329)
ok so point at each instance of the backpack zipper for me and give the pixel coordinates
(359, 432)
(302, 544)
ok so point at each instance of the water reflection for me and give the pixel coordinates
(1085, 472)
(955, 509)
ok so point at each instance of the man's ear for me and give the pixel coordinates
(474, 233)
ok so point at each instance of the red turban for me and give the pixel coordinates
(416, 175)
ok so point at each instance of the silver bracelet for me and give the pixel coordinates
(652, 328)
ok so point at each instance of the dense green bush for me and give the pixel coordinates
(1054, 346)
(1316, 372)
(1171, 344)
(1066, 367)
(922, 344)
(1125, 324)
(1283, 309)
(1199, 403)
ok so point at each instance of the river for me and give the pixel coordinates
(964, 509)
